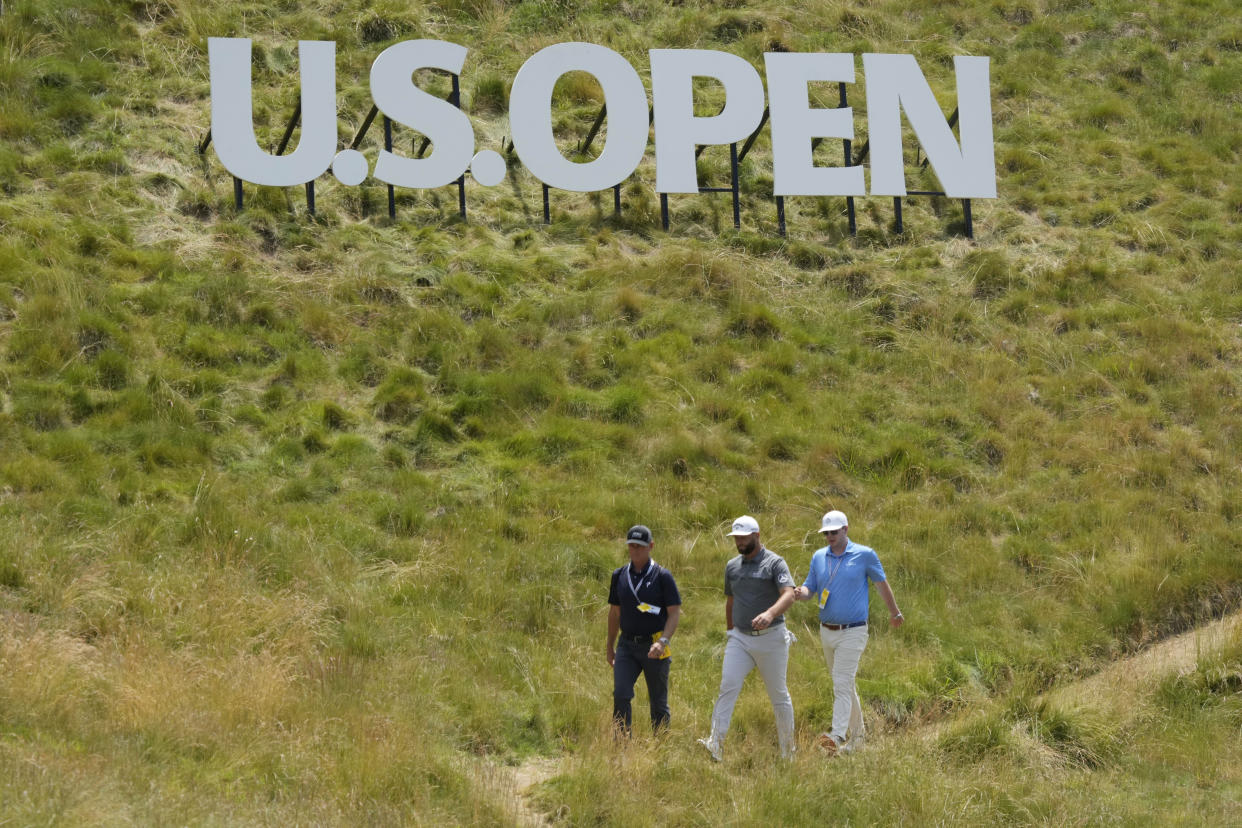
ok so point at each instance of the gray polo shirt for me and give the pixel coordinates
(755, 585)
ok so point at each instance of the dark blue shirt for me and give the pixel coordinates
(653, 586)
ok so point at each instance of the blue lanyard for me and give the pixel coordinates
(840, 560)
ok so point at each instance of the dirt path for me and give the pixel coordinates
(526, 776)
(1116, 683)
(1115, 688)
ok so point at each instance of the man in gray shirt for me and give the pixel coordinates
(758, 590)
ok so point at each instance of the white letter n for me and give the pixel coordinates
(895, 83)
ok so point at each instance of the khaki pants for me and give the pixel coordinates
(842, 651)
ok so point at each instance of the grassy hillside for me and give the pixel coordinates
(309, 520)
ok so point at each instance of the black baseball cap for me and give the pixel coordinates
(639, 535)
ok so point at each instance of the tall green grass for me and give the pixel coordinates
(310, 520)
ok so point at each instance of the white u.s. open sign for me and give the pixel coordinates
(894, 84)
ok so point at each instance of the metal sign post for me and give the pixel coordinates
(582, 149)
(734, 189)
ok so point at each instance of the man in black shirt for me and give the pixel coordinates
(644, 607)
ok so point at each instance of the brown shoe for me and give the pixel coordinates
(828, 744)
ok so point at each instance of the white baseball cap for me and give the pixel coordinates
(745, 525)
(833, 520)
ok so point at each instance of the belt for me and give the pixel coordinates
(761, 632)
(835, 627)
(644, 637)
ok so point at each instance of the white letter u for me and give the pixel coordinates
(232, 114)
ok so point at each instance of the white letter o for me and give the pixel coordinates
(530, 117)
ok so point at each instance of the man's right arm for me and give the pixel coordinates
(729, 613)
(614, 627)
(809, 586)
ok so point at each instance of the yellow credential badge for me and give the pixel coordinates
(823, 598)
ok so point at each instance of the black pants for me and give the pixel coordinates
(632, 660)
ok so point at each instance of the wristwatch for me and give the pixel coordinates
(664, 640)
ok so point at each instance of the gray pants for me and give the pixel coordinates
(632, 660)
(769, 653)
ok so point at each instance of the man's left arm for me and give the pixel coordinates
(670, 626)
(764, 619)
(895, 618)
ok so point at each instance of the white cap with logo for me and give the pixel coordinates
(833, 520)
(745, 525)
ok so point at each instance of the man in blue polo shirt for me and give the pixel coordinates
(643, 608)
(838, 581)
